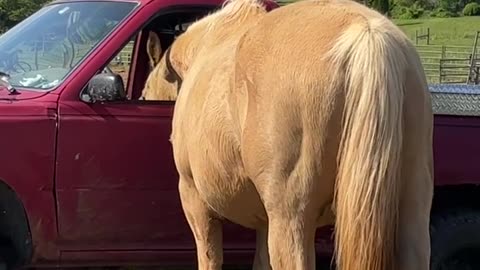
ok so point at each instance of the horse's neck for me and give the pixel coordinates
(217, 47)
(226, 40)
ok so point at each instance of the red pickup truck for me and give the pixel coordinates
(86, 169)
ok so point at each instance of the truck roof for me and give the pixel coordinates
(131, 1)
(271, 4)
(144, 2)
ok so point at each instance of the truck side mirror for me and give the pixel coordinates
(104, 87)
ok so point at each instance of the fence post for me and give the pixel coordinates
(473, 58)
(440, 71)
(422, 36)
(428, 36)
(476, 75)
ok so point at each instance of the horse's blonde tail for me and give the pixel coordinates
(371, 57)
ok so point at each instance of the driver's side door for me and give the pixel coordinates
(116, 183)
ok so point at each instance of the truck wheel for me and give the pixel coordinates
(3, 264)
(455, 240)
(7, 254)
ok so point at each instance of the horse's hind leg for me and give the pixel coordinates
(206, 228)
(262, 259)
(292, 217)
(413, 236)
(291, 242)
(413, 249)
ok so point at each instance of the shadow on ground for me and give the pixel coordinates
(322, 264)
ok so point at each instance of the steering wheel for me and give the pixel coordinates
(11, 63)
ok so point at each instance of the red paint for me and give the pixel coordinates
(27, 163)
(456, 150)
(98, 182)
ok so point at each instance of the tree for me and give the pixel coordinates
(382, 6)
(14, 11)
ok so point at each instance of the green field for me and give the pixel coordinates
(451, 41)
(443, 31)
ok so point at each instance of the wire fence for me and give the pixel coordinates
(441, 63)
(446, 63)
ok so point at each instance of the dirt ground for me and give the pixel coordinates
(323, 264)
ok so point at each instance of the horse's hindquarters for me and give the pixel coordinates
(291, 137)
(292, 128)
(233, 198)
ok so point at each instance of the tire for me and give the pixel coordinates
(455, 240)
(7, 255)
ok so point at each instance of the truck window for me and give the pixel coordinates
(167, 27)
(122, 61)
(42, 50)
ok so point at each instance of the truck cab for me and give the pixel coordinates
(87, 175)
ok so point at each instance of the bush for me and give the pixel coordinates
(397, 11)
(471, 9)
(453, 6)
(381, 6)
(442, 13)
(406, 13)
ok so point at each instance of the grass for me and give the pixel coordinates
(448, 32)
(451, 38)
(444, 31)
(458, 31)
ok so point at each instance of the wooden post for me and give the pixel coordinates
(477, 73)
(440, 71)
(473, 56)
(422, 36)
(442, 57)
(428, 36)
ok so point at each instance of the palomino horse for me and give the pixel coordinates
(315, 113)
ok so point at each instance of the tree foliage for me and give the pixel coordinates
(472, 9)
(383, 6)
(412, 9)
(14, 11)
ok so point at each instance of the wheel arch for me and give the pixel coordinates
(15, 234)
(450, 197)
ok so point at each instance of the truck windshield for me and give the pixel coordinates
(42, 50)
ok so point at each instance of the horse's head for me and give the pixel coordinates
(201, 38)
(161, 83)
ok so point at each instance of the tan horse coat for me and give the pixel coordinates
(283, 115)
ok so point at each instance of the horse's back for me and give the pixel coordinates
(282, 58)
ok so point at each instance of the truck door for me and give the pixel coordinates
(116, 180)
(117, 184)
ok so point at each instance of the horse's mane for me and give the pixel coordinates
(237, 11)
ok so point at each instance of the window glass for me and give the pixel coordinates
(42, 50)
